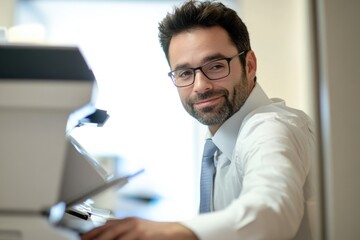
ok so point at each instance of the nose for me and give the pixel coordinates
(201, 82)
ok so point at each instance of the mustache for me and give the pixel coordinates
(208, 94)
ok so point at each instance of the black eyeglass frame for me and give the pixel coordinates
(171, 75)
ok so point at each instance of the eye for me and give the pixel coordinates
(184, 74)
(215, 66)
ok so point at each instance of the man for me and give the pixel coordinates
(263, 148)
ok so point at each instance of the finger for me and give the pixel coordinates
(113, 229)
(92, 234)
(129, 235)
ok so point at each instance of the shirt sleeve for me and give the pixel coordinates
(273, 155)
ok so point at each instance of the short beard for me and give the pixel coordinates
(207, 116)
(216, 117)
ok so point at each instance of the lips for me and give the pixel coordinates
(209, 102)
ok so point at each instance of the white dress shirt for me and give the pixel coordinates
(262, 168)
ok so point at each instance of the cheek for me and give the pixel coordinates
(184, 94)
(238, 77)
(227, 85)
(237, 72)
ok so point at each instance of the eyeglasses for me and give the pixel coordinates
(213, 70)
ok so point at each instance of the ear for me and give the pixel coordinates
(250, 68)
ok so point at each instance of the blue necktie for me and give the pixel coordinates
(207, 176)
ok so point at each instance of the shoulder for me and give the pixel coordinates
(275, 123)
(277, 115)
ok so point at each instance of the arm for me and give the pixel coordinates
(140, 229)
(274, 161)
(273, 158)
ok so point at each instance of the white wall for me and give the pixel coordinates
(279, 36)
(7, 13)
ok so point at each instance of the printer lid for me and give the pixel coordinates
(116, 181)
(47, 62)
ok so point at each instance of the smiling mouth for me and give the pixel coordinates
(209, 102)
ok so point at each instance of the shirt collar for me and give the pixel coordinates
(226, 136)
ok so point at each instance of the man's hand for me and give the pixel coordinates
(140, 229)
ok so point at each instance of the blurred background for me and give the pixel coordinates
(306, 52)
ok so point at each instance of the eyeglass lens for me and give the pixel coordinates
(212, 70)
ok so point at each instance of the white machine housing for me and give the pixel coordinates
(44, 92)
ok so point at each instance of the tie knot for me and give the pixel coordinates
(210, 148)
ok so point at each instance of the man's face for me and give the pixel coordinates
(211, 102)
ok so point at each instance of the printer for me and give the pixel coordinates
(45, 92)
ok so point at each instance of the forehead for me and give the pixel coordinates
(191, 47)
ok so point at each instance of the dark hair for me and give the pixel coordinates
(194, 14)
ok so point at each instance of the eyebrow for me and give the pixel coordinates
(203, 61)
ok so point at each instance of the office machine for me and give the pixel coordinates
(45, 92)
